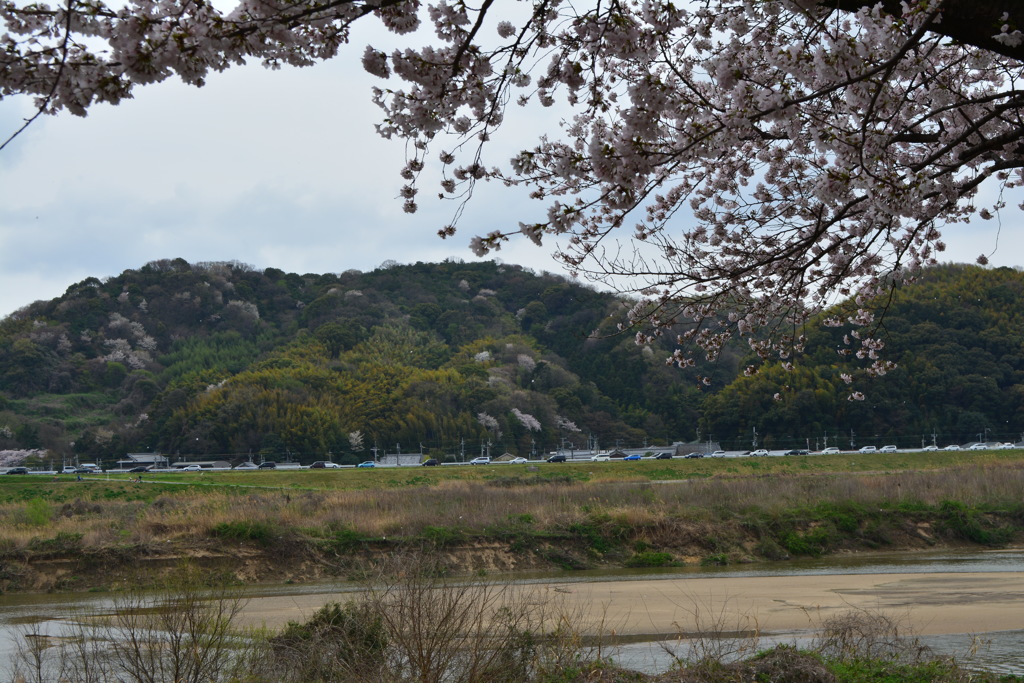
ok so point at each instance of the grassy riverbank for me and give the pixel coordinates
(103, 532)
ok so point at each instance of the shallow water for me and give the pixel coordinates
(1003, 651)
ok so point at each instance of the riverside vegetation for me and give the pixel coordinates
(428, 547)
(304, 525)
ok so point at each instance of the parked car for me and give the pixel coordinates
(139, 469)
(268, 465)
(482, 460)
(831, 450)
(518, 461)
(887, 449)
(368, 463)
(429, 462)
(867, 449)
(324, 465)
(17, 470)
(635, 456)
(556, 458)
(759, 453)
(663, 456)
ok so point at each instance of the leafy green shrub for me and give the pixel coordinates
(814, 542)
(38, 512)
(594, 536)
(441, 536)
(64, 542)
(344, 538)
(965, 523)
(716, 560)
(263, 533)
(650, 558)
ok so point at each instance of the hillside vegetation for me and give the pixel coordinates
(222, 359)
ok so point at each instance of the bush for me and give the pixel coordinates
(339, 643)
(263, 533)
(650, 558)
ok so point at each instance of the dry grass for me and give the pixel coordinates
(653, 512)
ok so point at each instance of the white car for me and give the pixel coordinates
(247, 466)
(930, 448)
(191, 468)
(759, 453)
(1006, 446)
(482, 460)
(717, 454)
(887, 449)
(831, 450)
(518, 461)
(325, 465)
(979, 447)
(952, 447)
(868, 449)
(600, 457)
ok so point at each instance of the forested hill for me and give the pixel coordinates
(957, 335)
(220, 358)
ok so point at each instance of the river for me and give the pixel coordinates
(964, 604)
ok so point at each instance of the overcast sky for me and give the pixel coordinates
(271, 168)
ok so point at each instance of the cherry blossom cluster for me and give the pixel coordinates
(739, 166)
(529, 421)
(762, 160)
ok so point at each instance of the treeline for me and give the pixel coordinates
(956, 335)
(216, 358)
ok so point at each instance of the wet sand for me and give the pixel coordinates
(925, 603)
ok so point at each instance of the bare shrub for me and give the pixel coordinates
(185, 634)
(868, 634)
(445, 630)
(712, 634)
(339, 643)
(182, 633)
(413, 624)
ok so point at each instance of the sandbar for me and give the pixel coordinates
(926, 603)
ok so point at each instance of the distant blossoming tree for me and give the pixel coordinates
(764, 158)
(566, 424)
(529, 421)
(490, 423)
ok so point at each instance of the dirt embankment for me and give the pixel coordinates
(66, 564)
